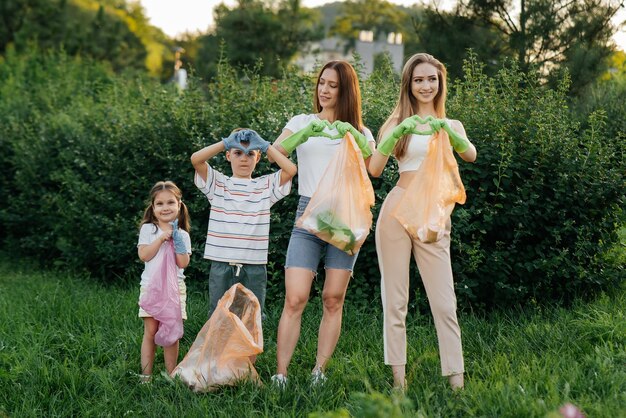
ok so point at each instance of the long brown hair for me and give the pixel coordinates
(348, 107)
(183, 214)
(407, 104)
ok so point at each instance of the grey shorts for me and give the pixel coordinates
(223, 275)
(305, 249)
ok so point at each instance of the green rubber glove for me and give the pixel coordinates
(436, 124)
(361, 140)
(315, 128)
(406, 127)
(459, 143)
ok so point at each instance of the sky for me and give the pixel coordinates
(178, 16)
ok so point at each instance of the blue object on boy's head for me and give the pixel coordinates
(246, 140)
(234, 141)
(248, 135)
(253, 140)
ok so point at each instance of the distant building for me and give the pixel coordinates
(366, 47)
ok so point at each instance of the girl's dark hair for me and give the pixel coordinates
(348, 107)
(183, 214)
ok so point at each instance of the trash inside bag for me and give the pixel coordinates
(221, 353)
(162, 299)
(429, 199)
(339, 211)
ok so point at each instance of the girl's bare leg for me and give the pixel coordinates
(170, 357)
(148, 348)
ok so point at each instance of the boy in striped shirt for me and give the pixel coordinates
(239, 219)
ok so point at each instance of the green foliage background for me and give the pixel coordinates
(81, 147)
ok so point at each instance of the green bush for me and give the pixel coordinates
(545, 198)
(610, 97)
(81, 148)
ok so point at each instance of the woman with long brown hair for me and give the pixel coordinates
(336, 98)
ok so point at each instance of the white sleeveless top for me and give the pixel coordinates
(415, 153)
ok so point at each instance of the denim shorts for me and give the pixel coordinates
(305, 249)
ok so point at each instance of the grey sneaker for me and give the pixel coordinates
(279, 380)
(317, 377)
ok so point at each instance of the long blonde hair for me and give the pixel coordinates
(407, 104)
(183, 214)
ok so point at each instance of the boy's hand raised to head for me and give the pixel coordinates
(234, 141)
(254, 140)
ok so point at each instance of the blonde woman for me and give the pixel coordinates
(423, 93)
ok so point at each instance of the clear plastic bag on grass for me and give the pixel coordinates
(339, 211)
(430, 198)
(223, 350)
(162, 297)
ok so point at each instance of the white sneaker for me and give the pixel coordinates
(279, 380)
(318, 377)
(145, 379)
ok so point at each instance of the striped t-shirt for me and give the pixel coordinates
(239, 221)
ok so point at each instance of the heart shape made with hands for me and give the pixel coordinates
(428, 120)
(435, 124)
(337, 125)
(332, 126)
(246, 140)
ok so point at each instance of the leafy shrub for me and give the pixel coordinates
(545, 198)
(81, 148)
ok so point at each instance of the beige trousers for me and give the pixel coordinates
(394, 247)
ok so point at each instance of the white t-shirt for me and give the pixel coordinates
(315, 154)
(147, 235)
(239, 221)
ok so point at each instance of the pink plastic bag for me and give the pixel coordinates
(161, 299)
(339, 211)
(429, 199)
(220, 354)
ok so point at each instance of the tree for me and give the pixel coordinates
(80, 28)
(551, 34)
(378, 16)
(253, 31)
(449, 35)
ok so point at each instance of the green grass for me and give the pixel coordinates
(70, 347)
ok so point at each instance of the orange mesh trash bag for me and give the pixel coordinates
(429, 199)
(221, 353)
(339, 211)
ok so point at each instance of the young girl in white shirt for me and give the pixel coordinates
(166, 206)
